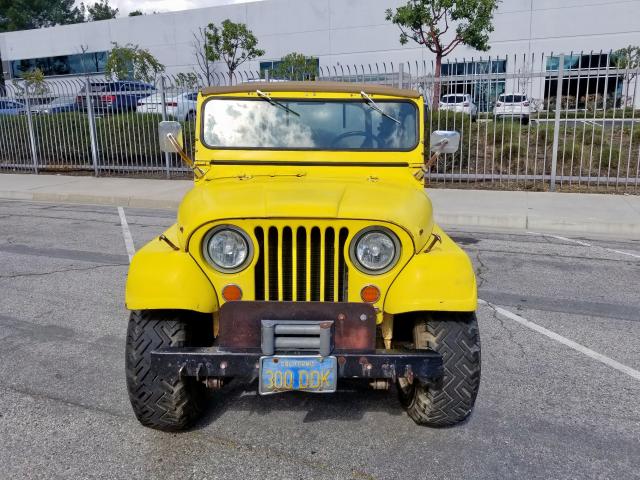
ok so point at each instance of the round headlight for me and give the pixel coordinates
(375, 250)
(227, 248)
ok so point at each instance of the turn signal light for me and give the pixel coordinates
(370, 294)
(232, 293)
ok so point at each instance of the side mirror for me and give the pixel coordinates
(170, 134)
(171, 141)
(443, 141)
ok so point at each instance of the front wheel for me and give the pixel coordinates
(450, 400)
(169, 403)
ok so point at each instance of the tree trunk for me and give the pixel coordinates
(230, 77)
(2, 87)
(435, 103)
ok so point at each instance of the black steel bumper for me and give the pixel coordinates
(425, 365)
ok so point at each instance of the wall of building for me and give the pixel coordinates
(341, 31)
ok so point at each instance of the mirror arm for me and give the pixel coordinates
(424, 169)
(185, 158)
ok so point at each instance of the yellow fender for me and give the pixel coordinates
(440, 280)
(163, 278)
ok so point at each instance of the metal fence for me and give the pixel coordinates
(566, 121)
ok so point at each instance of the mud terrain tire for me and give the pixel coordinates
(451, 399)
(163, 403)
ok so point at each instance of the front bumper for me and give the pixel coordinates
(251, 330)
(212, 362)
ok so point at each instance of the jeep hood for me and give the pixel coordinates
(304, 197)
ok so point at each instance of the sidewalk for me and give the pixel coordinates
(615, 215)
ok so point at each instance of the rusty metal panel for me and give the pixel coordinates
(354, 323)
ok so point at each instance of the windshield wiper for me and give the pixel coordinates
(276, 103)
(375, 106)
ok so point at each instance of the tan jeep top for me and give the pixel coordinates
(331, 87)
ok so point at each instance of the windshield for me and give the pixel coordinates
(281, 124)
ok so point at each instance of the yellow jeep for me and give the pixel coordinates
(305, 253)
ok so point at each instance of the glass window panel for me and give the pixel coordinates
(315, 125)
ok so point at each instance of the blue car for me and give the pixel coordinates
(114, 97)
(11, 107)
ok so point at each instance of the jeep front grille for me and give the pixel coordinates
(301, 264)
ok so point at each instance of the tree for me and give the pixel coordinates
(27, 14)
(234, 44)
(100, 10)
(628, 59)
(131, 61)
(136, 13)
(295, 66)
(33, 84)
(200, 50)
(430, 23)
(186, 81)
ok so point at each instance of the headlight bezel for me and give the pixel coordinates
(375, 228)
(247, 239)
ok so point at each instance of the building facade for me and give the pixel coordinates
(344, 35)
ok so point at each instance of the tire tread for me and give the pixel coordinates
(451, 400)
(169, 404)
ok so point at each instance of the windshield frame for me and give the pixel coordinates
(311, 100)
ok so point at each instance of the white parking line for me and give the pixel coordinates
(558, 237)
(585, 244)
(633, 373)
(126, 233)
(634, 255)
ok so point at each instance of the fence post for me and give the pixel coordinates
(163, 99)
(92, 127)
(556, 125)
(32, 134)
(400, 75)
(266, 75)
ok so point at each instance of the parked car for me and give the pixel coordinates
(180, 107)
(513, 105)
(11, 107)
(114, 97)
(57, 105)
(460, 102)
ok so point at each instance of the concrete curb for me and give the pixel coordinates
(521, 223)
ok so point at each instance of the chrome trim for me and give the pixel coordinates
(375, 228)
(243, 234)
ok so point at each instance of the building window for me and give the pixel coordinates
(580, 62)
(484, 91)
(586, 82)
(76, 64)
(474, 68)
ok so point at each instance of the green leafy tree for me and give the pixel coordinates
(131, 61)
(136, 13)
(442, 25)
(295, 66)
(100, 10)
(234, 44)
(187, 81)
(27, 14)
(33, 83)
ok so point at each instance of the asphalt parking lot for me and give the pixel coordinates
(546, 409)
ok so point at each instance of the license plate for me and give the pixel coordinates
(289, 373)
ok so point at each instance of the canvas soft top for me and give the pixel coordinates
(329, 87)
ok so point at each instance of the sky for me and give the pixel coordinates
(148, 6)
